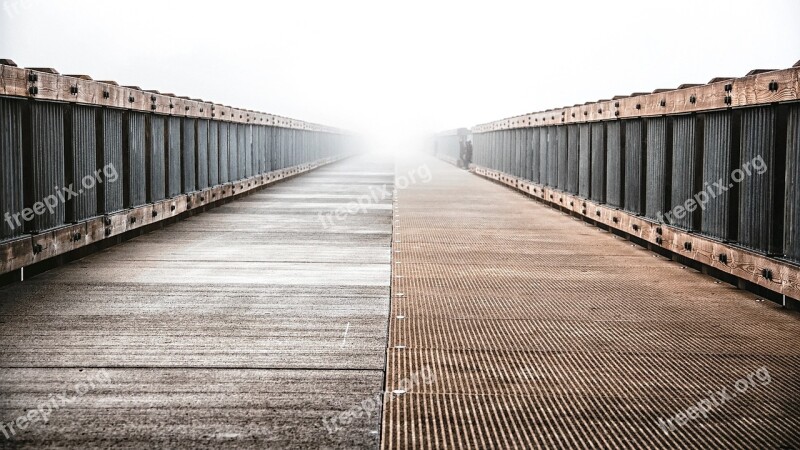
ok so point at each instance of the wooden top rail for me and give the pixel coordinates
(756, 88)
(47, 84)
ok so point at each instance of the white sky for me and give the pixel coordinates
(396, 70)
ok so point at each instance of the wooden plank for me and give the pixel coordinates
(755, 89)
(19, 253)
(47, 84)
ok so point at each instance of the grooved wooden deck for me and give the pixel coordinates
(246, 326)
(514, 325)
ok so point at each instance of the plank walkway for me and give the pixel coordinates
(508, 325)
(245, 326)
(514, 325)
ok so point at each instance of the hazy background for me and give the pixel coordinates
(399, 70)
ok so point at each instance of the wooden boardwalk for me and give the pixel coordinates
(269, 323)
(245, 326)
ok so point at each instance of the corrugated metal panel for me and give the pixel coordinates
(585, 158)
(635, 165)
(543, 155)
(248, 150)
(188, 154)
(224, 152)
(759, 217)
(686, 172)
(110, 192)
(11, 182)
(277, 137)
(135, 183)
(615, 166)
(525, 148)
(213, 153)
(598, 139)
(563, 157)
(173, 147)
(658, 167)
(242, 150)
(202, 153)
(258, 148)
(719, 218)
(573, 158)
(233, 152)
(552, 156)
(81, 161)
(516, 155)
(268, 144)
(155, 156)
(791, 246)
(44, 171)
(536, 160)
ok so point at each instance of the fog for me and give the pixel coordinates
(397, 71)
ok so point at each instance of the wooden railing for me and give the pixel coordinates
(710, 172)
(82, 161)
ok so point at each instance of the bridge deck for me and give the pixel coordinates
(527, 328)
(510, 325)
(244, 326)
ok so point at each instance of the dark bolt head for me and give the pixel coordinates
(728, 87)
(659, 241)
(693, 99)
(108, 231)
(663, 103)
(599, 110)
(153, 106)
(108, 221)
(186, 107)
(172, 208)
(106, 94)
(638, 106)
(33, 77)
(153, 98)
(155, 213)
(616, 104)
(133, 219)
(723, 258)
(33, 90)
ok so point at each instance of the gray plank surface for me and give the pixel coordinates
(243, 326)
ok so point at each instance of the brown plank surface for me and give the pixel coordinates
(246, 326)
(514, 325)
